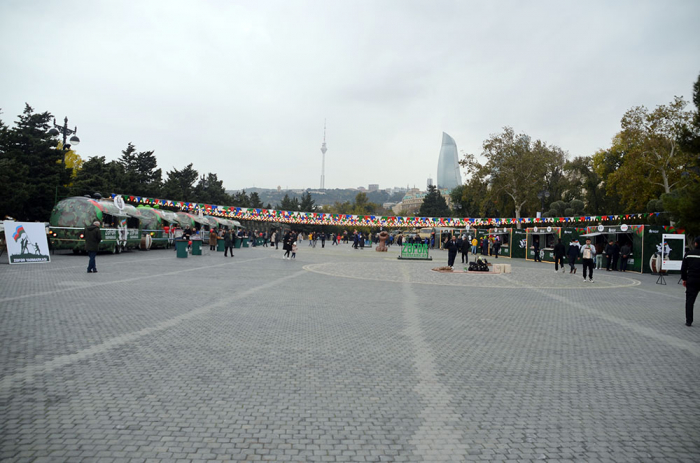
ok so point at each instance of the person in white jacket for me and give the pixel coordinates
(588, 256)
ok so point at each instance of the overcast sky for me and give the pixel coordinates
(242, 88)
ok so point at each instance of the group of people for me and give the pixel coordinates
(465, 244)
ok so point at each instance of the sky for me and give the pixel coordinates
(243, 88)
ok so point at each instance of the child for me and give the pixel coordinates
(294, 250)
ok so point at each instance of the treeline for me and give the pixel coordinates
(652, 165)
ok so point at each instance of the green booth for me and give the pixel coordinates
(505, 236)
(571, 235)
(547, 237)
(646, 242)
(196, 247)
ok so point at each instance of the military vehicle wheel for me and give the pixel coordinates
(76, 251)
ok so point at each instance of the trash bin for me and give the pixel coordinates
(245, 242)
(196, 247)
(237, 243)
(220, 245)
(181, 248)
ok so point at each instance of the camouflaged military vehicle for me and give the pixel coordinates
(120, 230)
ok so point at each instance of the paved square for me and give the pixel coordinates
(341, 355)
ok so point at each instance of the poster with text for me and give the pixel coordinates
(26, 242)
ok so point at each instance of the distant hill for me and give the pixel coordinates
(321, 197)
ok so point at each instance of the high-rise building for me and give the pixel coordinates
(373, 187)
(323, 161)
(430, 182)
(448, 175)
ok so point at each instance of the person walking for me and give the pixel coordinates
(213, 239)
(496, 246)
(323, 239)
(572, 254)
(228, 243)
(690, 274)
(559, 253)
(452, 248)
(93, 236)
(625, 252)
(588, 254)
(294, 250)
(615, 255)
(287, 245)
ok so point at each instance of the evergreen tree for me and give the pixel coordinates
(180, 184)
(33, 173)
(210, 190)
(140, 173)
(241, 199)
(307, 204)
(96, 176)
(255, 200)
(434, 205)
(289, 204)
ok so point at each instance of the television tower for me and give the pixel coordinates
(323, 161)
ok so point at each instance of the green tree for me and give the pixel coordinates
(140, 173)
(210, 190)
(255, 200)
(96, 176)
(586, 184)
(307, 203)
(434, 205)
(362, 205)
(650, 153)
(288, 204)
(180, 184)
(517, 167)
(33, 172)
(241, 199)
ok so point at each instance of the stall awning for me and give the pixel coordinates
(131, 211)
(591, 234)
(109, 208)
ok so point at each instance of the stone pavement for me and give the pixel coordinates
(340, 355)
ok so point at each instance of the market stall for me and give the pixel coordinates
(504, 236)
(518, 248)
(547, 237)
(646, 242)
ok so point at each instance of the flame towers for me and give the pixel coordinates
(448, 175)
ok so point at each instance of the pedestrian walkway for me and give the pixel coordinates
(341, 355)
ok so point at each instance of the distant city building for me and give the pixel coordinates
(413, 200)
(448, 175)
(373, 187)
(361, 188)
(429, 183)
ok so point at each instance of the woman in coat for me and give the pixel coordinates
(228, 243)
(213, 239)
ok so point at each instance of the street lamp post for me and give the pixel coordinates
(65, 131)
(542, 194)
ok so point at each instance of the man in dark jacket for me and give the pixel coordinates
(93, 236)
(559, 253)
(615, 255)
(690, 274)
(228, 243)
(625, 252)
(452, 248)
(572, 254)
(464, 247)
(609, 251)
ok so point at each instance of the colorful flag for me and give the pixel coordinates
(19, 232)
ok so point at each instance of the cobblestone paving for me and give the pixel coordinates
(340, 355)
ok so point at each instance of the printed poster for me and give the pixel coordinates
(26, 242)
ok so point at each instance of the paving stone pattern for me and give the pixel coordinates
(341, 355)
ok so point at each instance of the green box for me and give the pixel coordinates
(196, 247)
(181, 248)
(220, 245)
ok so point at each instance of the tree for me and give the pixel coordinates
(289, 204)
(434, 205)
(180, 184)
(586, 184)
(307, 204)
(140, 173)
(210, 190)
(33, 171)
(649, 152)
(517, 167)
(96, 176)
(362, 206)
(254, 200)
(241, 199)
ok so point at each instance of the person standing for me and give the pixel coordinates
(690, 274)
(599, 256)
(464, 249)
(496, 246)
(323, 239)
(572, 254)
(536, 248)
(278, 237)
(452, 248)
(625, 252)
(475, 243)
(93, 236)
(615, 255)
(213, 239)
(559, 253)
(588, 254)
(228, 243)
(484, 247)
(287, 245)
(609, 249)
(294, 250)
